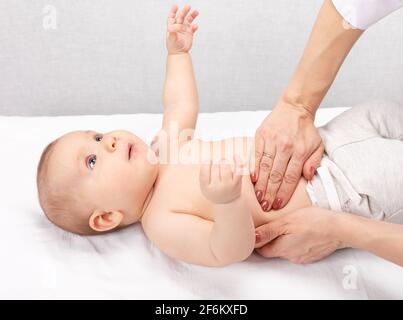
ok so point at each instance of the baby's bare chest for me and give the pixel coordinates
(178, 190)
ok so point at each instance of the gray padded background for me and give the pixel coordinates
(108, 56)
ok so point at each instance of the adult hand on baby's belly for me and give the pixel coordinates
(286, 144)
(299, 199)
(302, 236)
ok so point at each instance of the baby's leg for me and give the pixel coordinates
(372, 119)
(366, 143)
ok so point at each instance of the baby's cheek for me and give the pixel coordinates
(121, 175)
(127, 177)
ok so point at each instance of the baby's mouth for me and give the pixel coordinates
(130, 146)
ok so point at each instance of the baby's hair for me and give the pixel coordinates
(60, 205)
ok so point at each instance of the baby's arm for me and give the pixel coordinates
(180, 98)
(181, 104)
(233, 236)
(230, 238)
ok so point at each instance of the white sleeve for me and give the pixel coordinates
(362, 14)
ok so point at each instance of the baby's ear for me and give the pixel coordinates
(102, 221)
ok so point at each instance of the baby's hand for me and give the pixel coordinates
(219, 183)
(180, 29)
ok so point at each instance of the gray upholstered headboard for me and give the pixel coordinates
(62, 57)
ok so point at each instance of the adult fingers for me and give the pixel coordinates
(259, 149)
(313, 162)
(265, 167)
(275, 249)
(268, 232)
(289, 183)
(275, 178)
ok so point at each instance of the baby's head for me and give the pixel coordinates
(89, 183)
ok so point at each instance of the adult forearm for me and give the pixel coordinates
(180, 85)
(328, 45)
(380, 238)
(233, 235)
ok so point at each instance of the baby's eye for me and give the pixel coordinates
(91, 160)
(98, 137)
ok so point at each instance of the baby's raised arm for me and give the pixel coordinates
(180, 98)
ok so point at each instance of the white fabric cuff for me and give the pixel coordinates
(362, 14)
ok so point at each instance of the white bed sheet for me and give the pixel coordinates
(39, 261)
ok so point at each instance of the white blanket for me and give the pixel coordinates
(40, 261)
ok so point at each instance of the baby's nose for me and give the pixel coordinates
(110, 143)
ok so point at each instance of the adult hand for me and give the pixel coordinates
(286, 144)
(302, 236)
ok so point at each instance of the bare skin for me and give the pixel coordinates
(287, 142)
(119, 186)
(187, 225)
(191, 213)
(185, 178)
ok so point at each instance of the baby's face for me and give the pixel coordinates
(112, 171)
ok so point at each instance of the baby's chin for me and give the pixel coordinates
(131, 220)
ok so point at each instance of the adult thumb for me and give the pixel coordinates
(268, 232)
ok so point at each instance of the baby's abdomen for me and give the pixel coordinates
(299, 199)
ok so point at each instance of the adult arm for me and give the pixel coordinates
(311, 233)
(287, 142)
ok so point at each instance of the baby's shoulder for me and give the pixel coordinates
(157, 208)
(160, 221)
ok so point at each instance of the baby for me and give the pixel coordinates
(194, 198)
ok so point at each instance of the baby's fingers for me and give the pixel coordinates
(176, 28)
(238, 168)
(192, 16)
(205, 173)
(182, 14)
(225, 171)
(215, 176)
(172, 14)
(194, 28)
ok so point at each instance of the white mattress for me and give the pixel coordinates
(39, 261)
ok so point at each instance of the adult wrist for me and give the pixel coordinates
(339, 229)
(287, 101)
(351, 230)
